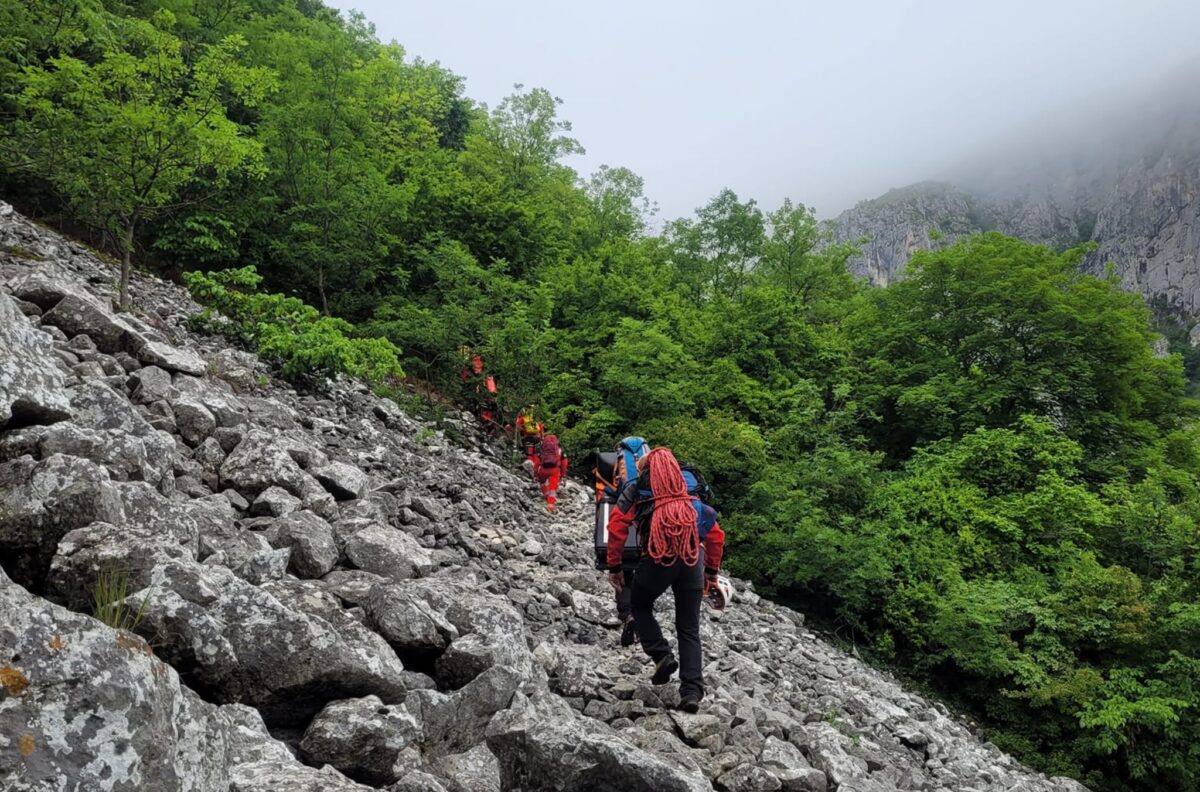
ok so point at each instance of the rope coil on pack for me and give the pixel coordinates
(673, 531)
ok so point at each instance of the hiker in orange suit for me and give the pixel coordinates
(530, 430)
(551, 464)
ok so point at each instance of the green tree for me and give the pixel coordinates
(120, 138)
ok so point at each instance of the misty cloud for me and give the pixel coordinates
(825, 103)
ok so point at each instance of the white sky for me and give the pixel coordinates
(825, 102)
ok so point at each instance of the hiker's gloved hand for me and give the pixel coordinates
(710, 578)
(616, 579)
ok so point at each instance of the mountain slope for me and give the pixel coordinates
(328, 584)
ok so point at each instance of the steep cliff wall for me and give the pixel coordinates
(1126, 179)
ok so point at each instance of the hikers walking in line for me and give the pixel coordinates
(530, 431)
(680, 548)
(479, 389)
(611, 471)
(551, 464)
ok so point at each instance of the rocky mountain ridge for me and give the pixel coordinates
(1127, 181)
(337, 598)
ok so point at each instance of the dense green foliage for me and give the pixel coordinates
(305, 345)
(980, 474)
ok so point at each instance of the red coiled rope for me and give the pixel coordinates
(673, 531)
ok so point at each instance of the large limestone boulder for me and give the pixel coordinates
(311, 541)
(543, 746)
(41, 501)
(75, 314)
(32, 386)
(277, 775)
(83, 706)
(171, 358)
(388, 552)
(235, 642)
(258, 463)
(417, 614)
(363, 738)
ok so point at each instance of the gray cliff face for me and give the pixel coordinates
(1129, 183)
(336, 598)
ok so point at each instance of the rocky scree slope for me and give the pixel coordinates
(338, 600)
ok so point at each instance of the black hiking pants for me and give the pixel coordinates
(687, 583)
(629, 565)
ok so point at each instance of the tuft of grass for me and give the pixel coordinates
(109, 597)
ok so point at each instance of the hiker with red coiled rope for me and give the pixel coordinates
(681, 546)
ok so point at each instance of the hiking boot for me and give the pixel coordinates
(663, 670)
(629, 634)
(690, 702)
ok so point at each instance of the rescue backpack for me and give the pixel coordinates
(550, 452)
(605, 473)
(629, 451)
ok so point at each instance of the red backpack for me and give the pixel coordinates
(550, 451)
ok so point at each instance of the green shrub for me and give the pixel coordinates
(302, 343)
(109, 598)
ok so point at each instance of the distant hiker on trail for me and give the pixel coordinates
(530, 431)
(681, 546)
(611, 471)
(479, 389)
(551, 464)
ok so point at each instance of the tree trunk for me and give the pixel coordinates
(126, 252)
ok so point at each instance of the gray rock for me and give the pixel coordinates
(361, 737)
(74, 314)
(388, 552)
(32, 386)
(352, 586)
(476, 770)
(275, 502)
(414, 615)
(127, 457)
(227, 409)
(786, 762)
(210, 455)
(43, 501)
(408, 619)
(695, 727)
(277, 776)
(236, 642)
(418, 781)
(311, 541)
(193, 419)
(264, 566)
(86, 553)
(132, 726)
(454, 723)
(826, 747)
(165, 356)
(748, 778)
(257, 463)
(540, 747)
(344, 482)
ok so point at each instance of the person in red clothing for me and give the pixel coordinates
(681, 547)
(551, 464)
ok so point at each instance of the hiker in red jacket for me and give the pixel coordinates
(681, 547)
(552, 462)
